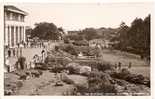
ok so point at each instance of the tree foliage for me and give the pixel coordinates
(46, 31)
(89, 33)
(136, 37)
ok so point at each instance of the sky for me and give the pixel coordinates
(78, 16)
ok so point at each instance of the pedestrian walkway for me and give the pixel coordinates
(44, 85)
(29, 53)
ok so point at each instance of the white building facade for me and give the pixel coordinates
(14, 22)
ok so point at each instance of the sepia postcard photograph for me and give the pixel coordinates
(77, 49)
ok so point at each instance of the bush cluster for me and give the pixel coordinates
(80, 43)
(98, 82)
(133, 78)
(75, 50)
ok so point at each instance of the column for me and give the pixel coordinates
(14, 36)
(21, 32)
(6, 35)
(24, 34)
(18, 34)
(10, 36)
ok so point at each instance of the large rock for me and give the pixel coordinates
(66, 79)
(85, 70)
(74, 68)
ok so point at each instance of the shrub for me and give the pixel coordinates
(66, 41)
(56, 48)
(63, 60)
(66, 79)
(81, 43)
(148, 83)
(35, 74)
(108, 89)
(137, 79)
(57, 68)
(104, 66)
(82, 89)
(69, 49)
(8, 92)
(49, 59)
(133, 78)
(41, 66)
(40, 72)
(100, 82)
(23, 77)
(100, 76)
(19, 84)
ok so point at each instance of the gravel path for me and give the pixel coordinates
(45, 85)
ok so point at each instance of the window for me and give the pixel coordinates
(7, 15)
(15, 17)
(22, 18)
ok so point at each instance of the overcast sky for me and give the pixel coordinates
(79, 16)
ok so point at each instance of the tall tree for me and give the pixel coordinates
(137, 36)
(123, 35)
(46, 31)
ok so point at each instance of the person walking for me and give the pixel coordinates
(9, 53)
(119, 65)
(129, 65)
(43, 55)
(14, 52)
(115, 65)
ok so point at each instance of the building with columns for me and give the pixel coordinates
(14, 23)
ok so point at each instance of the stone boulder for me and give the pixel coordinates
(74, 68)
(85, 70)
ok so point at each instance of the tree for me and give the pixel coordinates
(89, 33)
(61, 33)
(136, 37)
(74, 37)
(147, 35)
(28, 31)
(60, 29)
(123, 36)
(46, 31)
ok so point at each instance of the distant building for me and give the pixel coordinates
(99, 43)
(72, 32)
(14, 21)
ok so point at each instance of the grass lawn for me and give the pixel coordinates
(138, 66)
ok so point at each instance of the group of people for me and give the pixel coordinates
(119, 65)
(38, 58)
(14, 52)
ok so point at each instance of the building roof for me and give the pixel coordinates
(14, 9)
